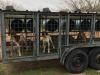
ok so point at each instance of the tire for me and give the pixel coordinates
(94, 61)
(76, 61)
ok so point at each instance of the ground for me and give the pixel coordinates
(50, 67)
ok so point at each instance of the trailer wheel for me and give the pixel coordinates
(94, 61)
(76, 61)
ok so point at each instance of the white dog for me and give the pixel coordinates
(46, 39)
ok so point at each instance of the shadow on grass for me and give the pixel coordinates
(49, 67)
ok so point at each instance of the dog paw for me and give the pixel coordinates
(43, 51)
(48, 51)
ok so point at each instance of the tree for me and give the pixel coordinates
(84, 5)
(2, 4)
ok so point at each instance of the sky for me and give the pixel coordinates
(34, 5)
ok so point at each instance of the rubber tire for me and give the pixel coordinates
(92, 58)
(69, 65)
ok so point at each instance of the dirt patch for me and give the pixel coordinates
(78, 74)
(22, 66)
(49, 67)
(42, 66)
(37, 64)
(98, 71)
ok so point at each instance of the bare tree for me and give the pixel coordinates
(2, 4)
(84, 5)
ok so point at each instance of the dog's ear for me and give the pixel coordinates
(44, 33)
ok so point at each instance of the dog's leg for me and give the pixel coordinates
(44, 47)
(48, 47)
(52, 43)
(19, 51)
(11, 51)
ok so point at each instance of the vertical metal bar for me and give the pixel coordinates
(94, 16)
(37, 32)
(25, 27)
(3, 37)
(35, 26)
(92, 36)
(59, 40)
(67, 29)
(0, 36)
(34, 32)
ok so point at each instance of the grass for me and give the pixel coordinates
(39, 68)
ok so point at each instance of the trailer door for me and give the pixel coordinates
(18, 36)
(48, 33)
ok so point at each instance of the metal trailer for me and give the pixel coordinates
(75, 36)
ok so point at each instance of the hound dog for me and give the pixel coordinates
(47, 41)
(81, 37)
(12, 44)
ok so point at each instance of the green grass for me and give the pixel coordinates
(39, 69)
(92, 72)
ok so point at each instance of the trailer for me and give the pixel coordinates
(73, 38)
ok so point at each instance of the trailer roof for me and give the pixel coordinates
(52, 13)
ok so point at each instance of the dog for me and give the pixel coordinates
(46, 40)
(81, 37)
(12, 43)
(22, 38)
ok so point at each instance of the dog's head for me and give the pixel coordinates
(44, 33)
